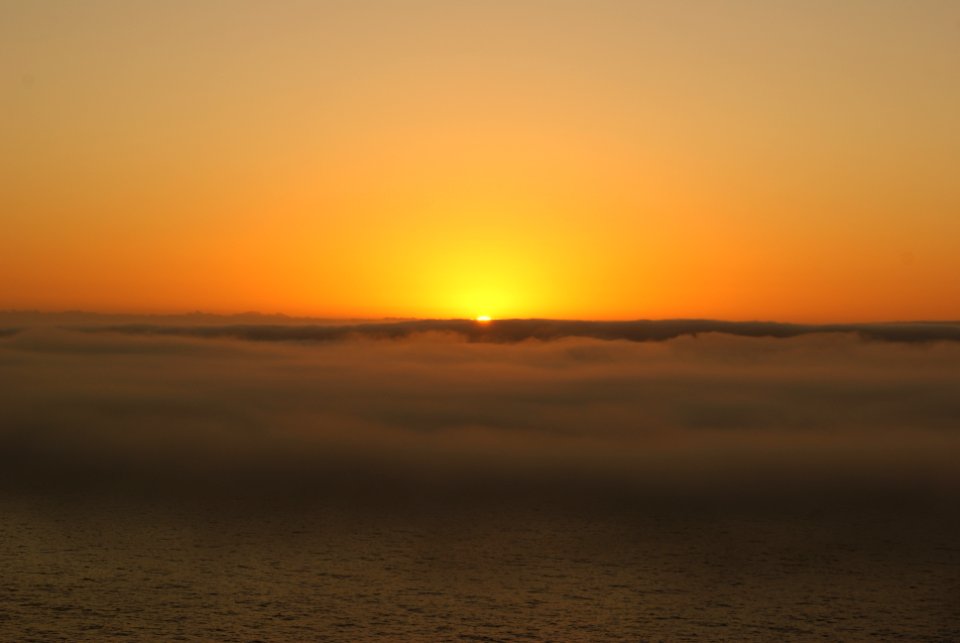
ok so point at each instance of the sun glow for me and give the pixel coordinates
(483, 319)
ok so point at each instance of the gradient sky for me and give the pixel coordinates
(794, 160)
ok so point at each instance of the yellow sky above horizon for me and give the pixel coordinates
(607, 159)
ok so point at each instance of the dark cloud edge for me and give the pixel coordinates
(508, 331)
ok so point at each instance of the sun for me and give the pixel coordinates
(483, 319)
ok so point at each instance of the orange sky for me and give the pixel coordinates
(795, 160)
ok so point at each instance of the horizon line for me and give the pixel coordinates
(402, 319)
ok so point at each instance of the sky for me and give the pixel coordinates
(606, 160)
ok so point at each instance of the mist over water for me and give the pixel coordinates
(423, 484)
(707, 408)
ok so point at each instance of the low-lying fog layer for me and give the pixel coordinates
(451, 481)
(820, 408)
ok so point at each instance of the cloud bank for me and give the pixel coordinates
(518, 330)
(452, 405)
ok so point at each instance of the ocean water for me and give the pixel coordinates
(504, 571)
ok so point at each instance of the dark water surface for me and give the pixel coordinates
(503, 570)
